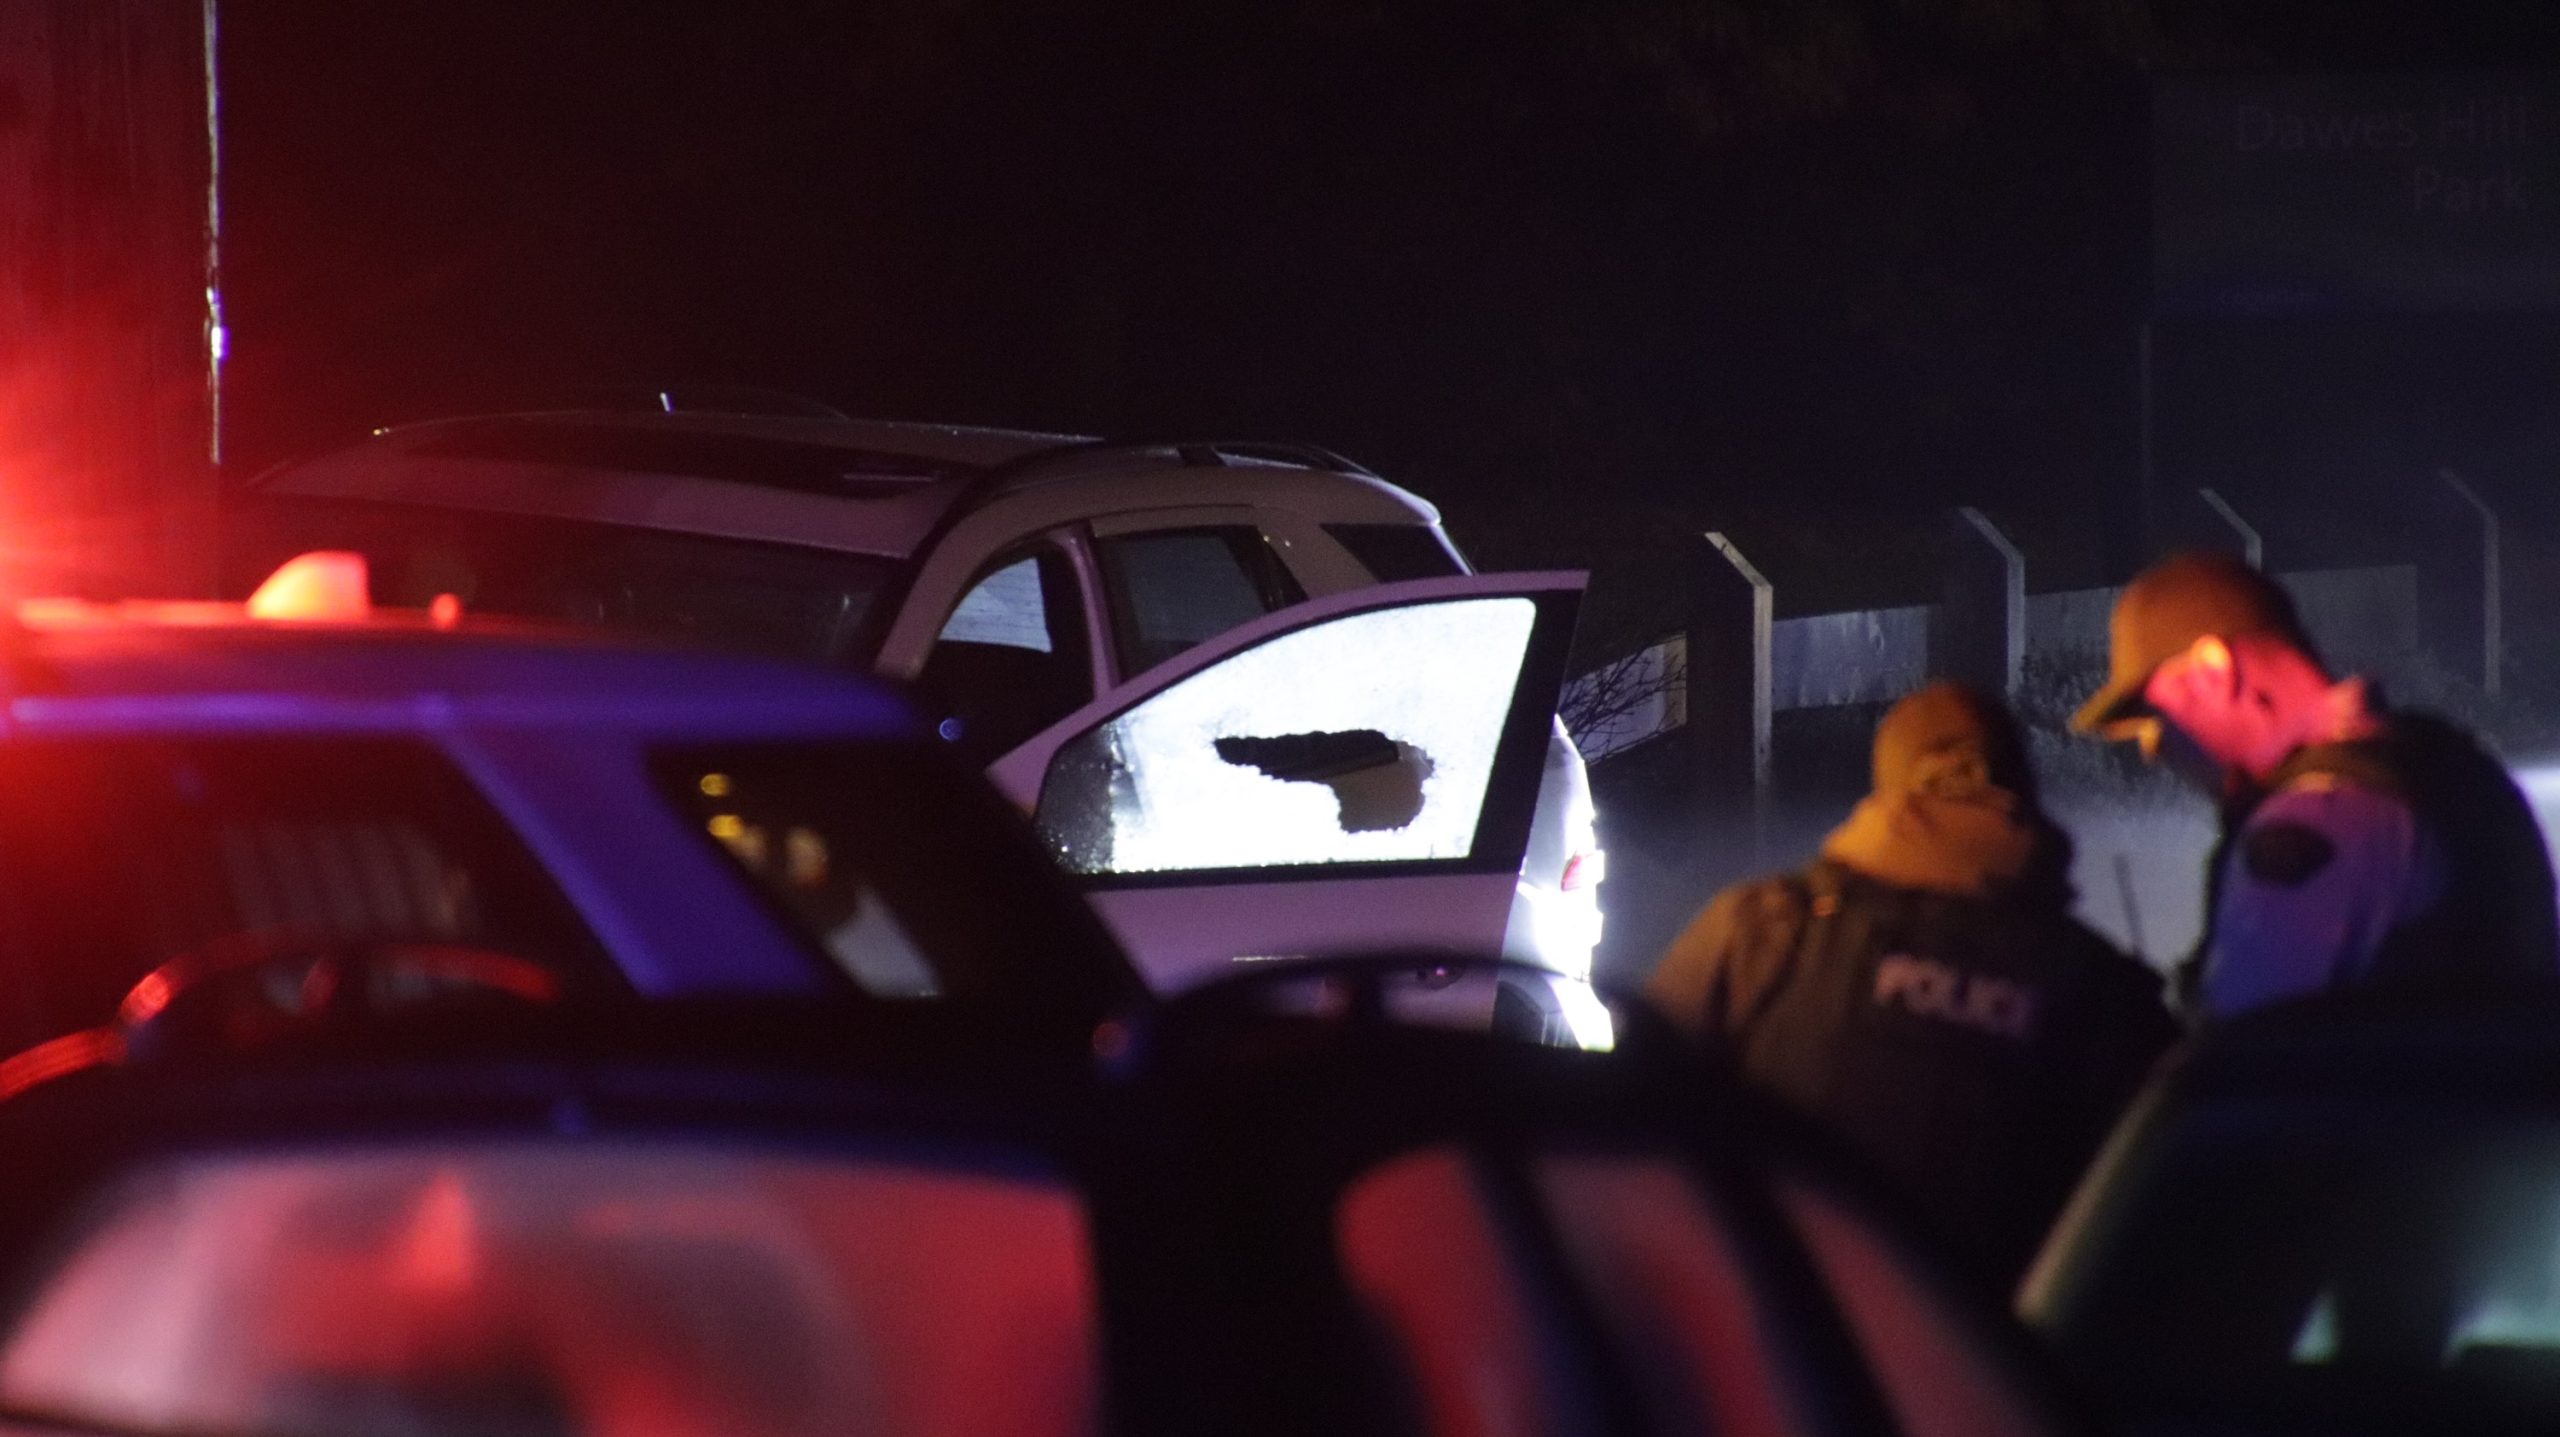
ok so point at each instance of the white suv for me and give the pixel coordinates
(1250, 693)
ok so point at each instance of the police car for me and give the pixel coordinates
(2340, 1215)
(195, 784)
(715, 1219)
(1252, 695)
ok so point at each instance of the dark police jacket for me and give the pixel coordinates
(1974, 1050)
(2286, 888)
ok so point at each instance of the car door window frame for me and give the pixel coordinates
(1319, 561)
(1071, 546)
(1076, 540)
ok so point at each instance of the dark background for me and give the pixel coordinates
(1591, 275)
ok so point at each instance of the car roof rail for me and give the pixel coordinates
(1031, 467)
(1189, 453)
(732, 399)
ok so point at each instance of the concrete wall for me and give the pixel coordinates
(1862, 657)
(2365, 620)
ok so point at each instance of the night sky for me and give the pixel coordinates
(1586, 273)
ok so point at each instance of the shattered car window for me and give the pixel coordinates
(1370, 738)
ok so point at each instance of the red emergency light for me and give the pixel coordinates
(327, 586)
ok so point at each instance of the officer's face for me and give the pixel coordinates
(2200, 733)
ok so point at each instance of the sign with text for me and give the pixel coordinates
(2274, 194)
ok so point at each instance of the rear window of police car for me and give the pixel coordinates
(118, 855)
(495, 1284)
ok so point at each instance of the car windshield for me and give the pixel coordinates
(781, 600)
(531, 1288)
(120, 855)
(2337, 1263)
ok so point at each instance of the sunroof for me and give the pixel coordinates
(830, 469)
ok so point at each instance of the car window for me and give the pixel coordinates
(1928, 1352)
(1005, 607)
(119, 855)
(2295, 1258)
(1474, 1339)
(513, 1286)
(794, 850)
(904, 872)
(1173, 588)
(776, 599)
(1013, 657)
(1394, 552)
(1370, 737)
(1673, 1292)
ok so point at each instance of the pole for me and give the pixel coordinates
(1730, 685)
(2132, 909)
(2146, 500)
(2253, 549)
(2492, 617)
(1985, 607)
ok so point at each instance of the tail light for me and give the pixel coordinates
(1585, 870)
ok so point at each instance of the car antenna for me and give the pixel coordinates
(2132, 910)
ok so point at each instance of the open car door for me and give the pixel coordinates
(1355, 772)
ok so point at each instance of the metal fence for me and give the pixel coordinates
(2365, 620)
(1699, 806)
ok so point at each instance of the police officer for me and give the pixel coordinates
(1923, 989)
(2362, 849)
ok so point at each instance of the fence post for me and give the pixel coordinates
(1981, 631)
(1730, 610)
(2253, 548)
(2492, 604)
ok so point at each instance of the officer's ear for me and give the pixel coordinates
(2213, 657)
(2196, 681)
(2211, 661)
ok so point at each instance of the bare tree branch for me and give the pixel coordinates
(1626, 701)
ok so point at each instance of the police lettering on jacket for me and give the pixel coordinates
(1928, 988)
